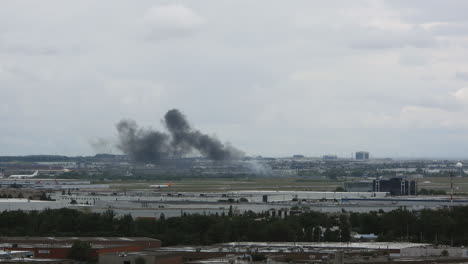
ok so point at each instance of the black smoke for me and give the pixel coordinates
(149, 145)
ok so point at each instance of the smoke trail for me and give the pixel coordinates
(147, 145)
(184, 138)
(140, 144)
(102, 145)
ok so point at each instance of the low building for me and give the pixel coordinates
(29, 205)
(330, 157)
(147, 257)
(59, 247)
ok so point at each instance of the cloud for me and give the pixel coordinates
(424, 11)
(449, 29)
(29, 50)
(172, 20)
(462, 76)
(342, 64)
(431, 118)
(376, 39)
(461, 95)
(412, 60)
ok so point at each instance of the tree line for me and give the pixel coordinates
(444, 226)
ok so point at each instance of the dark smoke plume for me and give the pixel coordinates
(148, 145)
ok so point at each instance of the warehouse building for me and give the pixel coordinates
(59, 247)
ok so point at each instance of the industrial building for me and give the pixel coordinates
(149, 257)
(330, 157)
(395, 186)
(59, 247)
(29, 205)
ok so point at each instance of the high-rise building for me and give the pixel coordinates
(362, 155)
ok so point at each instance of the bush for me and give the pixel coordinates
(80, 250)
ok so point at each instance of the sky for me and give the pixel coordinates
(272, 78)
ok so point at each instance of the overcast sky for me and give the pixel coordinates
(273, 78)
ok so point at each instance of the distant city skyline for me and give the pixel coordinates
(273, 78)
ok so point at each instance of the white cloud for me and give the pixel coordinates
(432, 119)
(462, 76)
(171, 20)
(461, 95)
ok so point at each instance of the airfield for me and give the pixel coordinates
(278, 196)
(275, 196)
(278, 183)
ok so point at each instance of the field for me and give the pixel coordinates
(460, 185)
(283, 183)
(219, 185)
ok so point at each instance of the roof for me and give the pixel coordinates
(25, 246)
(351, 245)
(146, 253)
(65, 239)
(19, 200)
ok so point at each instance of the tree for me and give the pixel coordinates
(43, 196)
(80, 250)
(140, 260)
(345, 228)
(340, 189)
(317, 234)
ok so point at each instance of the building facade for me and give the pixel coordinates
(395, 186)
(362, 155)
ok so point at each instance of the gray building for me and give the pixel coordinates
(395, 186)
(362, 155)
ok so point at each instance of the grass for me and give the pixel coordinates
(278, 183)
(216, 185)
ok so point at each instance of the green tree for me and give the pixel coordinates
(140, 260)
(43, 196)
(340, 189)
(80, 250)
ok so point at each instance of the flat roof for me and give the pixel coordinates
(25, 246)
(146, 253)
(356, 245)
(20, 200)
(273, 247)
(64, 239)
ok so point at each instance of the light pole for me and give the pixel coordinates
(451, 190)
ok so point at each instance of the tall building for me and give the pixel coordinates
(362, 155)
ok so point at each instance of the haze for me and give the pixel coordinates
(273, 78)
